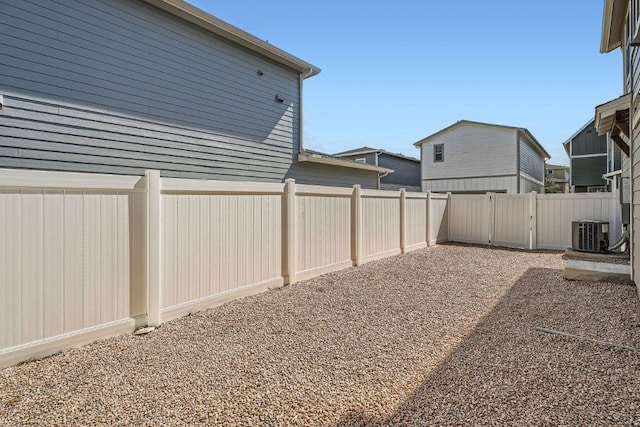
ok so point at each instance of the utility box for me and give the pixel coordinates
(589, 235)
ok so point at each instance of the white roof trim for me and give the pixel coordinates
(613, 20)
(204, 20)
(586, 125)
(317, 158)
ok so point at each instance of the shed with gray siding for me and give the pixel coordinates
(122, 86)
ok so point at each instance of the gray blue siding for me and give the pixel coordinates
(588, 171)
(531, 162)
(407, 172)
(119, 86)
(588, 142)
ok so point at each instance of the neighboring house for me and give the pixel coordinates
(591, 156)
(621, 21)
(474, 157)
(123, 86)
(559, 177)
(407, 169)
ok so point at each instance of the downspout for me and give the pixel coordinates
(300, 115)
(380, 176)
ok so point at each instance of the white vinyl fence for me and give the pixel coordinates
(530, 221)
(86, 256)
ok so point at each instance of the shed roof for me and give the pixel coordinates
(204, 20)
(482, 124)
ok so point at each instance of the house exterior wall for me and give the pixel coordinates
(588, 171)
(496, 184)
(333, 176)
(406, 172)
(531, 162)
(471, 151)
(121, 87)
(589, 159)
(476, 158)
(527, 185)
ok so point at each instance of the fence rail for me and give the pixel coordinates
(85, 256)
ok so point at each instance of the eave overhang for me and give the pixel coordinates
(316, 158)
(204, 20)
(613, 20)
(613, 118)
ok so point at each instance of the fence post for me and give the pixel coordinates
(290, 229)
(533, 220)
(403, 220)
(428, 219)
(154, 262)
(448, 210)
(491, 217)
(356, 225)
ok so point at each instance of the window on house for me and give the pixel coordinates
(550, 172)
(438, 153)
(361, 160)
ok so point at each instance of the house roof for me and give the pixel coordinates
(327, 159)
(614, 17)
(566, 143)
(204, 20)
(472, 123)
(368, 150)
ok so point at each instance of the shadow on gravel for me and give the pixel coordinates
(508, 373)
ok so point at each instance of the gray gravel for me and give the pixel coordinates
(444, 335)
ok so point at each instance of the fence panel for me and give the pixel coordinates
(415, 221)
(511, 220)
(556, 211)
(380, 224)
(323, 230)
(469, 218)
(216, 244)
(438, 218)
(65, 260)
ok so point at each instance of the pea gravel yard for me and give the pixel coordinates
(441, 336)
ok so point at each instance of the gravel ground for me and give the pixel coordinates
(444, 335)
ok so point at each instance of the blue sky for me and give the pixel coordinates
(395, 72)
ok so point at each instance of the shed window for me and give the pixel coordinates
(550, 171)
(361, 160)
(438, 153)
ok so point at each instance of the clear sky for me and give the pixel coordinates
(395, 72)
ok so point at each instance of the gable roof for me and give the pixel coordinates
(482, 124)
(368, 150)
(204, 20)
(566, 143)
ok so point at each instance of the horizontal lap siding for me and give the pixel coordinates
(64, 259)
(506, 184)
(531, 162)
(218, 243)
(323, 231)
(121, 87)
